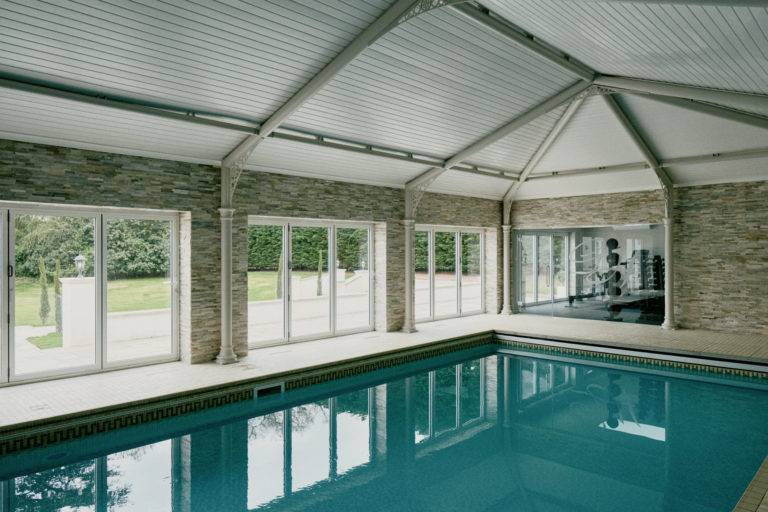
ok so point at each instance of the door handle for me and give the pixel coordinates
(10, 270)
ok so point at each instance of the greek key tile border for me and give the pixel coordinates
(66, 430)
(636, 360)
(755, 498)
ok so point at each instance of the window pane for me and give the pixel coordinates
(266, 267)
(310, 295)
(353, 431)
(471, 286)
(420, 394)
(560, 262)
(310, 449)
(140, 479)
(445, 399)
(527, 269)
(421, 308)
(67, 488)
(265, 458)
(445, 274)
(352, 279)
(543, 268)
(54, 303)
(139, 289)
(471, 390)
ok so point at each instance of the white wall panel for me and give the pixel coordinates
(589, 184)
(675, 132)
(716, 46)
(225, 56)
(36, 118)
(720, 172)
(289, 157)
(435, 83)
(592, 138)
(465, 184)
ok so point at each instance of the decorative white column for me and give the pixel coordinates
(669, 284)
(506, 308)
(409, 323)
(226, 353)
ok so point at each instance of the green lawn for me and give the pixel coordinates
(123, 295)
(51, 340)
(131, 295)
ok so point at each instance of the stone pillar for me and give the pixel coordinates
(78, 311)
(226, 353)
(669, 285)
(409, 323)
(507, 307)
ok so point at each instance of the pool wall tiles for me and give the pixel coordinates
(720, 245)
(56, 175)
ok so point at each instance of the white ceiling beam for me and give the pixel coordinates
(707, 158)
(384, 23)
(645, 150)
(740, 100)
(720, 111)
(550, 139)
(539, 110)
(239, 126)
(526, 39)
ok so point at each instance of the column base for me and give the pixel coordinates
(226, 357)
(669, 326)
(506, 310)
(408, 330)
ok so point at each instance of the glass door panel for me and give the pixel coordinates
(445, 399)
(266, 280)
(422, 286)
(310, 281)
(310, 444)
(266, 458)
(353, 294)
(543, 269)
(471, 390)
(471, 263)
(140, 284)
(527, 269)
(560, 266)
(53, 293)
(353, 431)
(445, 274)
(140, 478)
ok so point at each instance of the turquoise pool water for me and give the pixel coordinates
(474, 431)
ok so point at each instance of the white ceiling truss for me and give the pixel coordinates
(96, 70)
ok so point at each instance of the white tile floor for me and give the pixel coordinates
(34, 402)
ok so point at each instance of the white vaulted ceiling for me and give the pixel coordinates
(189, 80)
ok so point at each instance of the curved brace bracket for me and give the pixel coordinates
(422, 6)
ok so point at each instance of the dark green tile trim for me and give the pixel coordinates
(636, 360)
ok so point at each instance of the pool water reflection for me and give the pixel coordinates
(502, 432)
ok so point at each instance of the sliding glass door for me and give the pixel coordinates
(543, 268)
(84, 290)
(307, 280)
(53, 293)
(449, 272)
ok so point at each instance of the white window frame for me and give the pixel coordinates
(458, 231)
(331, 225)
(7, 260)
(519, 292)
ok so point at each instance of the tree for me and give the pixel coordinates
(45, 306)
(57, 293)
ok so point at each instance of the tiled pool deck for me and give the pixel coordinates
(43, 404)
(40, 402)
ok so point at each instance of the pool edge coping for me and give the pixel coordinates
(755, 496)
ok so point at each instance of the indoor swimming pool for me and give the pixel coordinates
(492, 428)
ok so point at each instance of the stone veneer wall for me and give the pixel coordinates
(50, 174)
(721, 252)
(56, 175)
(720, 245)
(291, 196)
